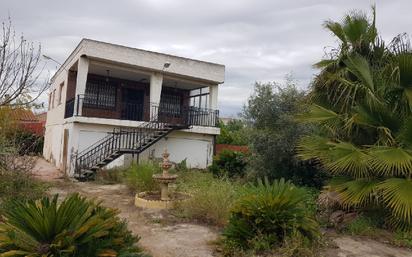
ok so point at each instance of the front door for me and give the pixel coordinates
(132, 104)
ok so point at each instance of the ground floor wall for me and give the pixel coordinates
(63, 141)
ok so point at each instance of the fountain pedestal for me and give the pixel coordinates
(162, 200)
(164, 179)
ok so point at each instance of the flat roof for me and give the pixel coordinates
(182, 66)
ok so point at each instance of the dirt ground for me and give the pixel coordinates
(162, 238)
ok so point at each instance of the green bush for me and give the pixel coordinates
(211, 198)
(28, 142)
(76, 227)
(267, 214)
(362, 225)
(19, 185)
(229, 164)
(139, 177)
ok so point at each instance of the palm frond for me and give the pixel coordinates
(397, 195)
(355, 193)
(391, 161)
(345, 158)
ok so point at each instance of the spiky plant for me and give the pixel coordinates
(76, 227)
(269, 213)
(362, 104)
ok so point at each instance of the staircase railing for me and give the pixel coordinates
(125, 141)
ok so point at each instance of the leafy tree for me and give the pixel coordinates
(234, 133)
(362, 104)
(271, 111)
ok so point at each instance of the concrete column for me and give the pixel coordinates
(213, 94)
(156, 81)
(82, 71)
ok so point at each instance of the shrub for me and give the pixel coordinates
(361, 225)
(267, 214)
(182, 166)
(211, 198)
(76, 227)
(229, 164)
(110, 176)
(139, 177)
(28, 142)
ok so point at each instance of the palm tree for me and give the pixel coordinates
(362, 104)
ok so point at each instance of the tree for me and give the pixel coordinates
(362, 105)
(271, 111)
(234, 133)
(19, 69)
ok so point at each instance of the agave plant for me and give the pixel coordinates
(362, 104)
(76, 227)
(270, 213)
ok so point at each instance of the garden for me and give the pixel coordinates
(335, 160)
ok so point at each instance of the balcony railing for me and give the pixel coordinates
(165, 113)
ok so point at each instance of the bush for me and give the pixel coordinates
(211, 198)
(110, 176)
(267, 214)
(362, 225)
(28, 142)
(76, 227)
(139, 177)
(229, 164)
(16, 180)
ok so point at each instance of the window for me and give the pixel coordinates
(200, 98)
(61, 92)
(100, 94)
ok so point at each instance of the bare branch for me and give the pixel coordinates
(20, 69)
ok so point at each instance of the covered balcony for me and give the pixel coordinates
(124, 93)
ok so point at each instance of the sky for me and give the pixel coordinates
(257, 40)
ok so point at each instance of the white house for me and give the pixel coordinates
(111, 103)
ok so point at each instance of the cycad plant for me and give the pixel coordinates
(362, 104)
(268, 214)
(76, 227)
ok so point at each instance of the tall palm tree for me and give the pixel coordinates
(362, 104)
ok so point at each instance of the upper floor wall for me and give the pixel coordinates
(154, 72)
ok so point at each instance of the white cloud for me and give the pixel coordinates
(257, 40)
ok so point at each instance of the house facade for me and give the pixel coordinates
(110, 104)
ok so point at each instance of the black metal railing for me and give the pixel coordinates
(69, 108)
(202, 117)
(166, 113)
(120, 141)
(132, 111)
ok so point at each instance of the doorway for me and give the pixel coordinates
(132, 104)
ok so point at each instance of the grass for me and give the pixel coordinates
(211, 199)
(139, 177)
(110, 176)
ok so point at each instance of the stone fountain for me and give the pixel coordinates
(163, 199)
(164, 179)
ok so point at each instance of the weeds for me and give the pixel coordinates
(139, 177)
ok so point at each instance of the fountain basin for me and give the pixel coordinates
(152, 200)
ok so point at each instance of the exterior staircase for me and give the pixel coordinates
(119, 142)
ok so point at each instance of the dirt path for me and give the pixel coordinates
(162, 238)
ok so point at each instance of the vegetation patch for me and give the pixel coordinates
(139, 177)
(212, 198)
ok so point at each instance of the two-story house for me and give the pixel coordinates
(110, 104)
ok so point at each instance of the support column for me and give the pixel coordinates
(156, 81)
(213, 94)
(82, 71)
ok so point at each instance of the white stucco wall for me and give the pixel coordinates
(197, 149)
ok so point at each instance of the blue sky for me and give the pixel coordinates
(257, 40)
